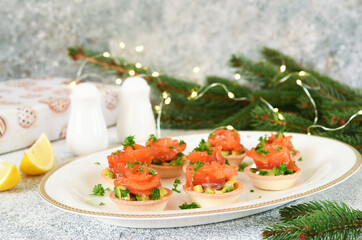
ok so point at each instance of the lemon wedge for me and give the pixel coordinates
(9, 175)
(39, 158)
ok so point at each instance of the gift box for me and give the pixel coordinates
(29, 107)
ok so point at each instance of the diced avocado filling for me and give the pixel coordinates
(228, 187)
(225, 153)
(108, 173)
(236, 153)
(179, 161)
(282, 170)
(122, 193)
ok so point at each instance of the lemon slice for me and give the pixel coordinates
(9, 175)
(39, 158)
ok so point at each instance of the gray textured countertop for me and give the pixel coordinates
(24, 215)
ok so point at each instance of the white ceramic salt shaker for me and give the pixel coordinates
(136, 116)
(87, 129)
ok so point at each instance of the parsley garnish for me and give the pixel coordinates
(182, 142)
(116, 152)
(282, 170)
(227, 162)
(278, 148)
(279, 132)
(130, 165)
(197, 166)
(212, 135)
(97, 163)
(259, 196)
(129, 141)
(253, 170)
(175, 184)
(155, 194)
(107, 189)
(171, 147)
(180, 154)
(188, 206)
(153, 138)
(251, 190)
(300, 159)
(141, 170)
(262, 172)
(203, 147)
(124, 193)
(98, 190)
(179, 161)
(242, 167)
(260, 148)
(102, 203)
(152, 171)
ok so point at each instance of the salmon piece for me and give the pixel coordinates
(204, 157)
(229, 140)
(165, 149)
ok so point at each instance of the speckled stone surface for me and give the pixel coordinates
(24, 215)
(178, 35)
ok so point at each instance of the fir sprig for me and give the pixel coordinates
(317, 220)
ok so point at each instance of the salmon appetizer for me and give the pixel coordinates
(140, 189)
(205, 153)
(212, 184)
(229, 141)
(131, 153)
(280, 139)
(167, 156)
(274, 167)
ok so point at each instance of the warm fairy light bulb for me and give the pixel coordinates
(193, 94)
(360, 112)
(280, 116)
(309, 134)
(196, 69)
(122, 45)
(106, 54)
(118, 81)
(72, 84)
(167, 100)
(155, 74)
(231, 95)
(139, 48)
(165, 95)
(237, 76)
(131, 72)
(157, 109)
(283, 68)
(275, 110)
(138, 65)
(229, 127)
(299, 82)
(301, 73)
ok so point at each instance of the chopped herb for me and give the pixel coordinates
(197, 166)
(212, 135)
(148, 145)
(116, 152)
(282, 170)
(279, 132)
(300, 159)
(292, 152)
(155, 194)
(235, 132)
(153, 138)
(278, 148)
(182, 142)
(124, 193)
(251, 190)
(102, 203)
(129, 141)
(253, 170)
(152, 171)
(260, 148)
(107, 189)
(227, 162)
(175, 185)
(98, 190)
(259, 196)
(138, 163)
(179, 161)
(262, 172)
(171, 147)
(97, 163)
(283, 167)
(141, 170)
(242, 167)
(130, 165)
(203, 147)
(180, 154)
(117, 174)
(188, 206)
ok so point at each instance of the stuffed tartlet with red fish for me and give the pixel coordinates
(212, 184)
(140, 189)
(167, 156)
(275, 168)
(229, 141)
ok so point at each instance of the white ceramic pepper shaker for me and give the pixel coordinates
(136, 115)
(87, 129)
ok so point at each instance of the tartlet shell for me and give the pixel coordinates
(149, 205)
(297, 155)
(274, 183)
(168, 171)
(236, 160)
(105, 178)
(214, 200)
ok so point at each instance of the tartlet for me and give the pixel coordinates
(274, 183)
(168, 171)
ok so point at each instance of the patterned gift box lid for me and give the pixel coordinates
(34, 105)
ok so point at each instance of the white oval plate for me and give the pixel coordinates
(326, 162)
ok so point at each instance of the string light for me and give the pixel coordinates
(276, 110)
(72, 84)
(118, 81)
(302, 73)
(106, 54)
(231, 95)
(155, 74)
(168, 100)
(138, 65)
(122, 45)
(165, 95)
(193, 94)
(229, 127)
(196, 69)
(157, 109)
(283, 68)
(139, 48)
(237, 76)
(131, 72)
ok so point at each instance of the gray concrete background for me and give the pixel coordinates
(178, 35)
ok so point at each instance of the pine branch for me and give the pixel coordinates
(325, 220)
(279, 58)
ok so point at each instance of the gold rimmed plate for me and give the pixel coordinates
(326, 162)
